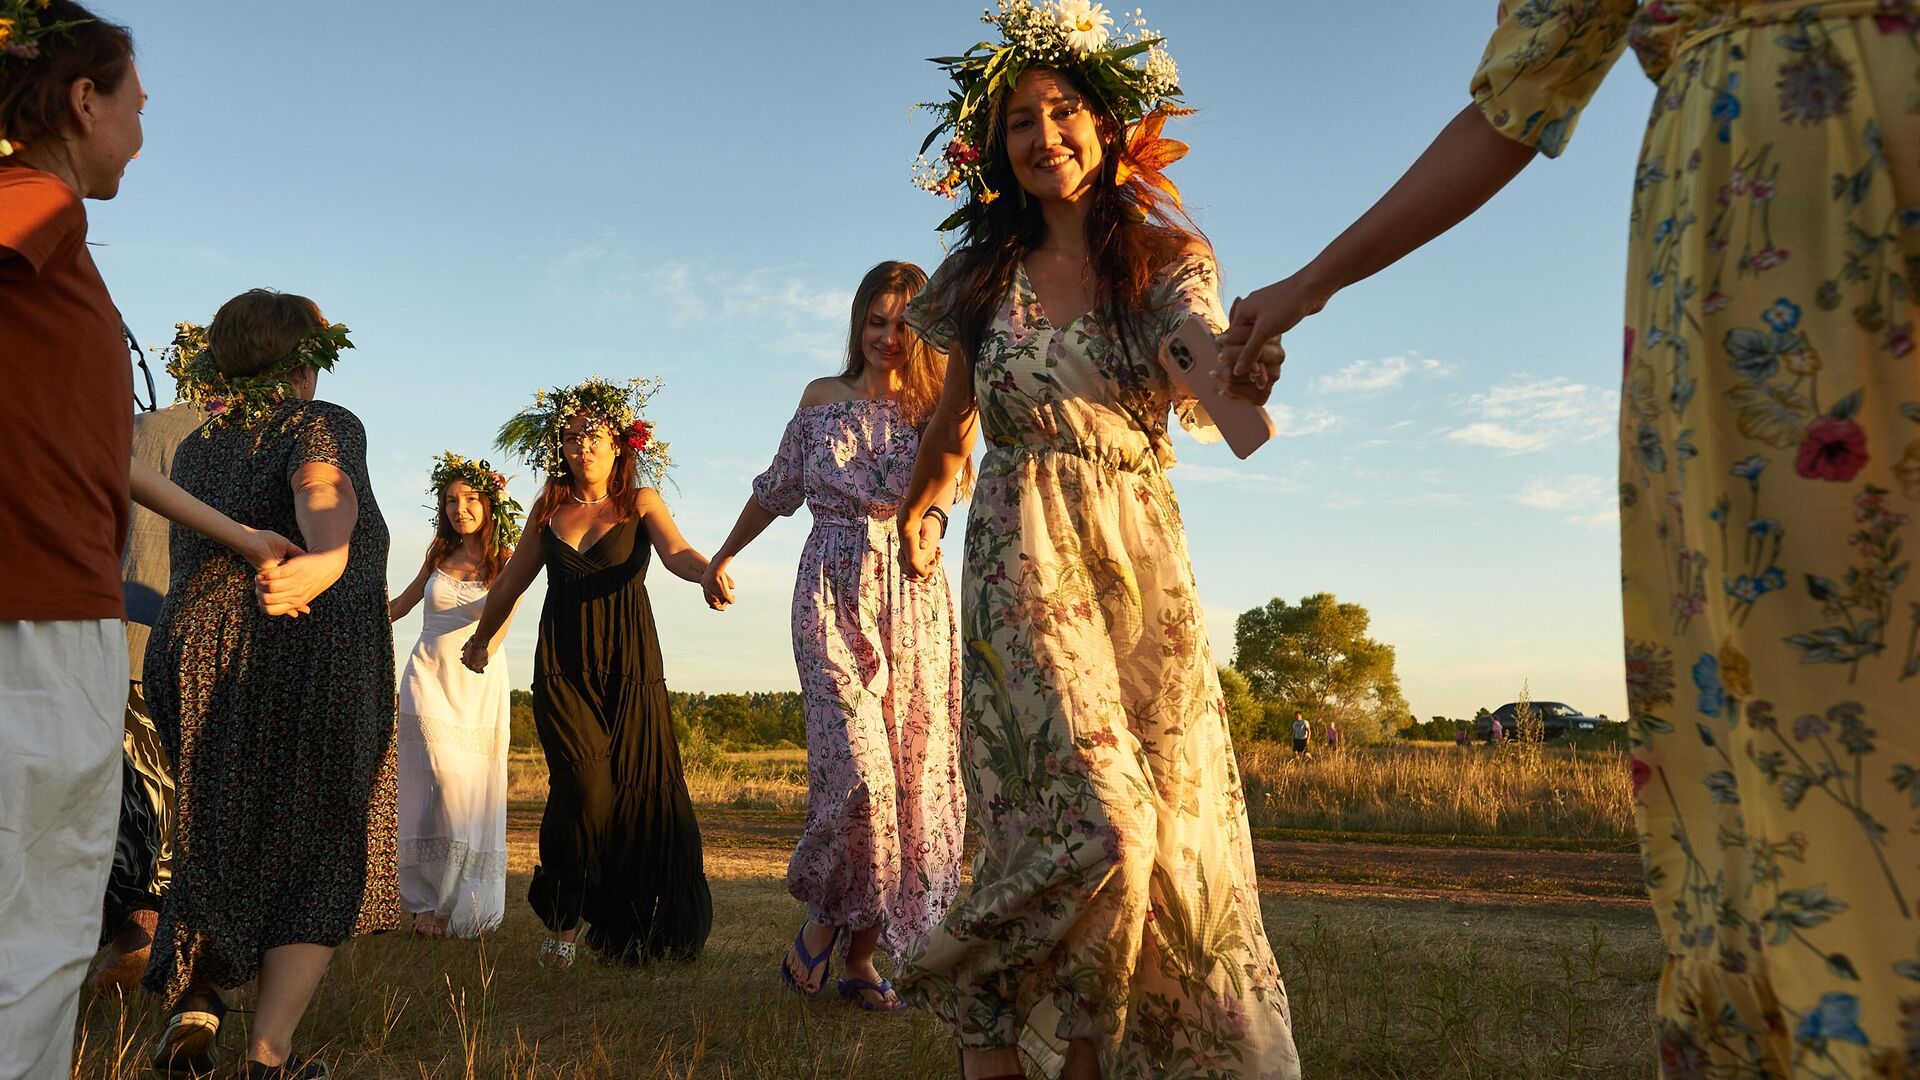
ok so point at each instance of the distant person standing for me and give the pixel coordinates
(1299, 734)
(1461, 739)
(1494, 732)
(1333, 737)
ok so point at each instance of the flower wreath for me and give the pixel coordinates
(535, 433)
(244, 399)
(488, 484)
(21, 32)
(1131, 73)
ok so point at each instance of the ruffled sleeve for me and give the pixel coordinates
(1544, 63)
(1189, 289)
(783, 487)
(934, 314)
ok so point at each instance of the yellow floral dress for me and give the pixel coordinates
(1769, 473)
(1114, 897)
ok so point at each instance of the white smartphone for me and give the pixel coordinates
(1189, 355)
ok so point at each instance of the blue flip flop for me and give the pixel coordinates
(811, 961)
(853, 988)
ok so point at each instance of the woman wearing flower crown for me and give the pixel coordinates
(619, 846)
(280, 731)
(455, 724)
(880, 858)
(1114, 907)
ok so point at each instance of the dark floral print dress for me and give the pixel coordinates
(280, 730)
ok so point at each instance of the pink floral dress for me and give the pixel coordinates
(878, 664)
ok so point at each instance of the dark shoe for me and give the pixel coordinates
(294, 1068)
(189, 1047)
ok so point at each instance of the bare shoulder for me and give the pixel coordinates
(648, 501)
(825, 391)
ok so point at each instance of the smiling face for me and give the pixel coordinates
(590, 452)
(1052, 137)
(464, 508)
(883, 336)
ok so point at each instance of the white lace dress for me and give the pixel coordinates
(454, 728)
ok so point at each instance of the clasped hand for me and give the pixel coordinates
(717, 584)
(288, 586)
(1250, 350)
(920, 549)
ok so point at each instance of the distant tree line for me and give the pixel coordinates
(764, 720)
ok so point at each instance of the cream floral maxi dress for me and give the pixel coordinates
(1114, 895)
(1769, 473)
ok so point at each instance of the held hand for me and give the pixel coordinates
(717, 584)
(1252, 339)
(292, 585)
(475, 654)
(264, 547)
(920, 549)
(1255, 386)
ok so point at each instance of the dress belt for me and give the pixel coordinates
(1779, 11)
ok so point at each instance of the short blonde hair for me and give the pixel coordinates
(260, 326)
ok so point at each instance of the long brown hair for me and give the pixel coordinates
(1133, 231)
(926, 368)
(34, 93)
(623, 485)
(447, 540)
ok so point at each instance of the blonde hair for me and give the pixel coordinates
(260, 326)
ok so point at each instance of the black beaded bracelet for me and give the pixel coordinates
(934, 511)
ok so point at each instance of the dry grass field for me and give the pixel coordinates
(1411, 956)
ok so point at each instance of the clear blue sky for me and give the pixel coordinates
(497, 197)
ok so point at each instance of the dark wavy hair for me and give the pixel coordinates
(1133, 231)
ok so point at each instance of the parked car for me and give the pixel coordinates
(1556, 719)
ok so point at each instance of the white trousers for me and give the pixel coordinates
(63, 693)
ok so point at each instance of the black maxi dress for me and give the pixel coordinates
(619, 845)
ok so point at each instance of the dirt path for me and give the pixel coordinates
(1593, 884)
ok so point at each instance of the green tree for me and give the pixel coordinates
(1246, 720)
(1315, 657)
(521, 734)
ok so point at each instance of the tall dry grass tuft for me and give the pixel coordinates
(1443, 790)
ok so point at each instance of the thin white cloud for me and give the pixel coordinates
(1190, 472)
(1375, 376)
(1586, 499)
(706, 297)
(1290, 423)
(1527, 415)
(1431, 498)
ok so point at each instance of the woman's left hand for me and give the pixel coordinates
(292, 585)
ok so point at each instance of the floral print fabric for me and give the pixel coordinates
(1769, 472)
(1113, 895)
(886, 814)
